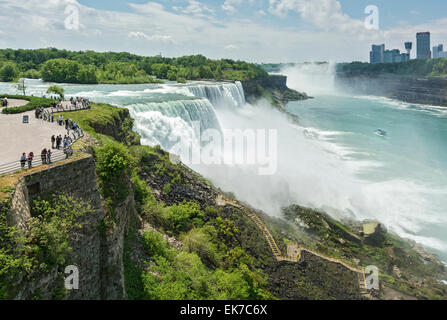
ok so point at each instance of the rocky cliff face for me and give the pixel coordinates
(76, 179)
(97, 254)
(275, 86)
(429, 91)
(119, 128)
(112, 245)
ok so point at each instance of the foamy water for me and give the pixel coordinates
(403, 182)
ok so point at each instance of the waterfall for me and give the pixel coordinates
(188, 110)
(224, 94)
(156, 122)
(159, 122)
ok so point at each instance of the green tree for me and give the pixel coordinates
(56, 90)
(60, 70)
(172, 75)
(183, 216)
(32, 74)
(8, 72)
(160, 70)
(87, 75)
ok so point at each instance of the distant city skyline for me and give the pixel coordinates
(251, 30)
(379, 53)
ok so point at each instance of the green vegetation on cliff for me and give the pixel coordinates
(43, 246)
(89, 67)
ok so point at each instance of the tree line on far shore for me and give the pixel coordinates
(422, 68)
(89, 67)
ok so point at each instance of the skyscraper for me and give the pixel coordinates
(437, 51)
(377, 54)
(423, 45)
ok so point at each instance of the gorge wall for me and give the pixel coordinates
(98, 255)
(429, 91)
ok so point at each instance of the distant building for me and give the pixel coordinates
(403, 57)
(423, 45)
(438, 51)
(408, 47)
(390, 56)
(377, 54)
(394, 56)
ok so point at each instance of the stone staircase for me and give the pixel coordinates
(222, 201)
(293, 250)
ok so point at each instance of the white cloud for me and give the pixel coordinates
(323, 14)
(230, 6)
(231, 47)
(155, 37)
(195, 8)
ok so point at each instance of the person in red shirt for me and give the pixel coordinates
(30, 160)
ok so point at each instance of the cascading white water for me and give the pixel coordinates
(157, 122)
(227, 94)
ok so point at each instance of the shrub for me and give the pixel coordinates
(199, 241)
(182, 217)
(113, 159)
(34, 103)
(56, 90)
(155, 244)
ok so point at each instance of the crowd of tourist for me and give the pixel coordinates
(45, 156)
(80, 103)
(39, 113)
(69, 124)
(57, 141)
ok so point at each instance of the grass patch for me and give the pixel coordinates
(33, 103)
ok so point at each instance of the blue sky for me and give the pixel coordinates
(253, 30)
(392, 11)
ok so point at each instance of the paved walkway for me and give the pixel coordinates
(17, 137)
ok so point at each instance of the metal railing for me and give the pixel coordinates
(70, 107)
(57, 155)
